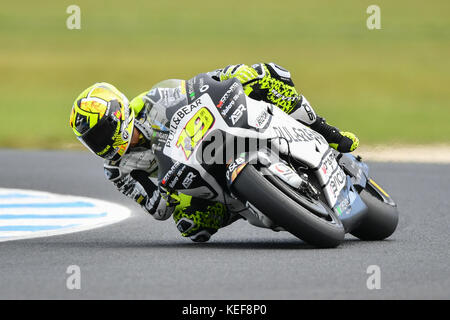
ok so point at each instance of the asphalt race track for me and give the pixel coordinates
(140, 258)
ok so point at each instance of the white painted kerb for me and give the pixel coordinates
(26, 214)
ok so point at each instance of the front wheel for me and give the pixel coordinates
(381, 219)
(286, 207)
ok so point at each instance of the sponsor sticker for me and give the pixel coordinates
(227, 94)
(237, 114)
(294, 134)
(234, 168)
(261, 119)
(335, 185)
(180, 115)
(327, 167)
(188, 180)
(194, 131)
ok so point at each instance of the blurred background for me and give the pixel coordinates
(388, 86)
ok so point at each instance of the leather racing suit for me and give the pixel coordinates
(135, 174)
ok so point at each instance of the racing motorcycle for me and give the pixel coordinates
(266, 166)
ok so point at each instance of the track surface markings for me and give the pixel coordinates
(28, 214)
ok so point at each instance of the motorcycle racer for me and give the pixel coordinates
(117, 130)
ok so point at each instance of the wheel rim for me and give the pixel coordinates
(316, 207)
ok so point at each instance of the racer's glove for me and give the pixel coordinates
(162, 204)
(348, 143)
(242, 72)
(341, 141)
(199, 222)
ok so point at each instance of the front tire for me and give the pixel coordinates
(282, 208)
(381, 219)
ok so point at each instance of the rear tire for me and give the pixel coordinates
(251, 185)
(381, 219)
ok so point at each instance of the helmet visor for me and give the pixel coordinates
(101, 135)
(100, 138)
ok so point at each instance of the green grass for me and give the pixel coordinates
(387, 86)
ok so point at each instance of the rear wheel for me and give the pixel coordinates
(317, 225)
(381, 219)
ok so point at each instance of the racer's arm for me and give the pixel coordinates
(132, 174)
(138, 185)
(273, 84)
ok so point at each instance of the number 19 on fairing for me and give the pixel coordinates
(194, 131)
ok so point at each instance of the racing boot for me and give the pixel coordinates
(199, 219)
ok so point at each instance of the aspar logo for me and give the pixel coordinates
(227, 94)
(237, 114)
(188, 180)
(178, 116)
(31, 214)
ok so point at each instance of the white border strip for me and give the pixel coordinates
(116, 213)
